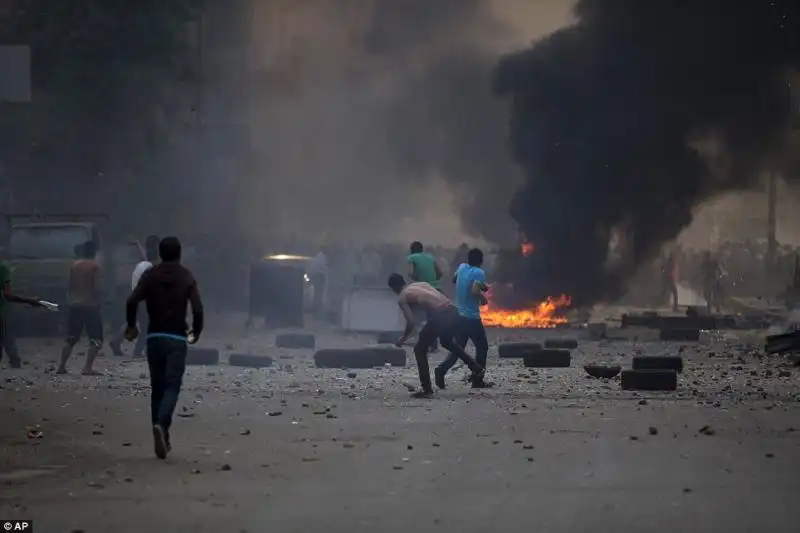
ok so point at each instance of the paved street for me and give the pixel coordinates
(297, 449)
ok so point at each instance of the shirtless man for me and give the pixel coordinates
(84, 311)
(442, 323)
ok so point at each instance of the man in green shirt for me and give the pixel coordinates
(6, 296)
(422, 267)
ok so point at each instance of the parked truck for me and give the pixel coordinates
(40, 250)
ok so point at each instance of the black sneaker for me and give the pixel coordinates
(422, 394)
(160, 442)
(438, 377)
(481, 384)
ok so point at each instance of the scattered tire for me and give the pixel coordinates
(388, 337)
(561, 344)
(514, 350)
(602, 372)
(249, 361)
(548, 358)
(685, 335)
(658, 362)
(363, 358)
(202, 356)
(295, 340)
(649, 380)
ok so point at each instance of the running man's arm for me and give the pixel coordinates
(5, 279)
(455, 274)
(197, 310)
(479, 285)
(409, 316)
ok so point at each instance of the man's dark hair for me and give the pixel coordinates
(396, 282)
(89, 250)
(475, 257)
(169, 249)
(151, 248)
(416, 247)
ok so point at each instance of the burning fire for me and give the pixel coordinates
(541, 315)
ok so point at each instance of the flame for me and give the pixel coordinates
(540, 315)
(526, 248)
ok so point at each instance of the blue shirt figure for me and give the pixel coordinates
(468, 303)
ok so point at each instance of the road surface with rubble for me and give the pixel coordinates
(297, 449)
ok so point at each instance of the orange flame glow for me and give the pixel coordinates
(541, 315)
(526, 248)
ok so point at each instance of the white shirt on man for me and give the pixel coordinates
(140, 269)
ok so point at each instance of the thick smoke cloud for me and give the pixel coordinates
(606, 116)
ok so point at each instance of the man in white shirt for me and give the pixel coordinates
(151, 256)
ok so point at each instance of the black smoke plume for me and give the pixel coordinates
(605, 114)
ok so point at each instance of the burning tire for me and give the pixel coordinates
(684, 335)
(649, 380)
(548, 359)
(363, 358)
(202, 357)
(517, 350)
(249, 361)
(561, 344)
(295, 340)
(666, 362)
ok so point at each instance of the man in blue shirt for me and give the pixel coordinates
(470, 280)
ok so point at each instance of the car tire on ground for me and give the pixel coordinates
(649, 380)
(561, 344)
(548, 358)
(202, 356)
(517, 350)
(360, 358)
(249, 361)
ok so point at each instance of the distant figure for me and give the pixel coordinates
(371, 266)
(669, 278)
(442, 323)
(713, 274)
(7, 342)
(85, 300)
(151, 257)
(422, 267)
(318, 274)
(460, 257)
(470, 280)
(166, 289)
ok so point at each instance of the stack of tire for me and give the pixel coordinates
(554, 353)
(653, 373)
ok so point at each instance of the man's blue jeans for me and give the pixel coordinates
(166, 358)
(469, 329)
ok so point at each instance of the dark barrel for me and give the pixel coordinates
(276, 292)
